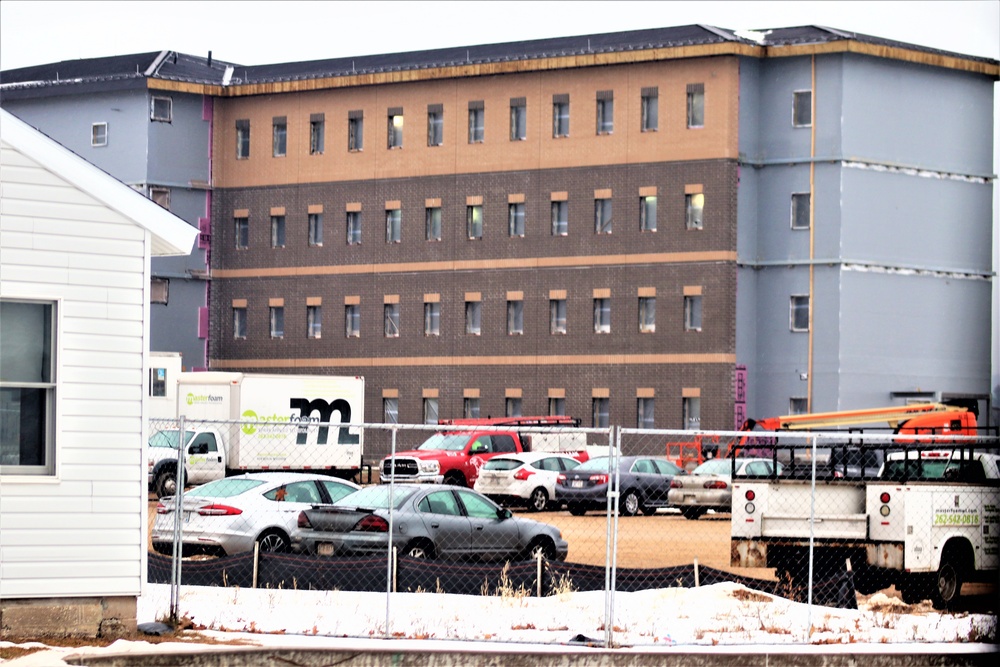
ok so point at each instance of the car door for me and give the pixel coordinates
(444, 522)
(287, 501)
(667, 471)
(492, 537)
(645, 478)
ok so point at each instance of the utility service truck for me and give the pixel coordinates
(242, 422)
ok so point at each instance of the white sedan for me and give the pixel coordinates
(527, 478)
(229, 515)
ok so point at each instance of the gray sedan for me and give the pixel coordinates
(427, 522)
(710, 485)
(644, 482)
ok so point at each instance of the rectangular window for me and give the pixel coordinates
(557, 316)
(242, 139)
(432, 223)
(391, 320)
(601, 412)
(800, 210)
(277, 231)
(515, 219)
(161, 196)
(560, 218)
(477, 122)
(602, 216)
(393, 225)
(352, 321)
(645, 413)
(512, 407)
(473, 318)
(692, 313)
(560, 116)
(802, 108)
(159, 290)
(158, 382)
(314, 321)
(650, 103)
(799, 313)
(279, 136)
(605, 112)
(277, 318)
(353, 227)
(432, 319)
(435, 125)
(557, 407)
(28, 343)
(242, 229)
(474, 221)
(696, 105)
(316, 229)
(647, 314)
(161, 109)
(647, 214)
(430, 411)
(239, 322)
(694, 210)
(515, 318)
(99, 134)
(518, 119)
(390, 410)
(355, 131)
(470, 408)
(798, 406)
(602, 316)
(691, 410)
(395, 128)
(317, 132)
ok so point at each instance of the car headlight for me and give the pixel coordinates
(429, 466)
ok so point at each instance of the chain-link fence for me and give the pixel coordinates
(538, 509)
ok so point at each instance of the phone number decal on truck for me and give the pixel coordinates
(956, 517)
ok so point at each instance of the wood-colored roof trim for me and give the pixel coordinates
(887, 52)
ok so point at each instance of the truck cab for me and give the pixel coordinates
(204, 459)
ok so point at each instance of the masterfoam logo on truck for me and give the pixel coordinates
(202, 399)
(306, 408)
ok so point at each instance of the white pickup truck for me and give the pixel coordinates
(927, 523)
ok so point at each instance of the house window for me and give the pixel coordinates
(99, 134)
(477, 122)
(691, 410)
(512, 407)
(353, 227)
(28, 343)
(473, 318)
(602, 216)
(432, 319)
(242, 139)
(314, 321)
(799, 313)
(694, 207)
(647, 314)
(277, 319)
(432, 223)
(645, 413)
(601, 412)
(518, 119)
(161, 109)
(395, 128)
(560, 218)
(159, 290)
(355, 131)
(352, 321)
(391, 320)
(696, 105)
(161, 196)
(470, 408)
(692, 313)
(798, 406)
(557, 407)
(279, 136)
(390, 410)
(602, 315)
(557, 316)
(560, 115)
(393, 225)
(647, 214)
(474, 221)
(242, 228)
(158, 382)
(515, 318)
(317, 131)
(650, 107)
(435, 125)
(239, 322)
(277, 231)
(801, 202)
(605, 112)
(430, 411)
(315, 229)
(802, 108)
(515, 219)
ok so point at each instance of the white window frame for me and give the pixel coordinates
(645, 409)
(647, 213)
(161, 118)
(241, 230)
(560, 120)
(518, 122)
(796, 303)
(473, 318)
(432, 319)
(694, 211)
(796, 210)
(278, 231)
(243, 139)
(512, 407)
(557, 406)
(798, 405)
(353, 228)
(515, 317)
(355, 135)
(279, 138)
(159, 290)
(391, 320)
(395, 131)
(650, 112)
(693, 312)
(603, 216)
(431, 410)
(316, 229)
(99, 135)
(477, 126)
(471, 407)
(691, 413)
(239, 323)
(435, 128)
(605, 116)
(352, 320)
(474, 221)
(801, 103)
(394, 225)
(276, 319)
(515, 220)
(390, 410)
(161, 196)
(602, 315)
(560, 218)
(647, 314)
(696, 108)
(314, 321)
(557, 316)
(600, 411)
(432, 223)
(317, 137)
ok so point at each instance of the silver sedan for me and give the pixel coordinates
(710, 485)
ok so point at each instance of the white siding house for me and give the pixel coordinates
(75, 248)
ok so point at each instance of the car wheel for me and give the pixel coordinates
(538, 500)
(629, 503)
(540, 546)
(273, 542)
(648, 510)
(166, 483)
(455, 479)
(692, 513)
(419, 549)
(577, 510)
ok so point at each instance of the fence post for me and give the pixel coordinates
(812, 539)
(391, 562)
(611, 551)
(178, 545)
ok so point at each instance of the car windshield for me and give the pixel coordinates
(602, 463)
(168, 438)
(224, 488)
(447, 441)
(375, 497)
(715, 467)
(500, 463)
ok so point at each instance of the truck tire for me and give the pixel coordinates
(166, 483)
(273, 541)
(630, 503)
(951, 574)
(538, 501)
(455, 478)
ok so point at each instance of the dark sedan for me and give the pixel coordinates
(644, 482)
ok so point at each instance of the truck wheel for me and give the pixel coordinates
(692, 513)
(950, 576)
(273, 541)
(629, 504)
(538, 500)
(455, 478)
(166, 483)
